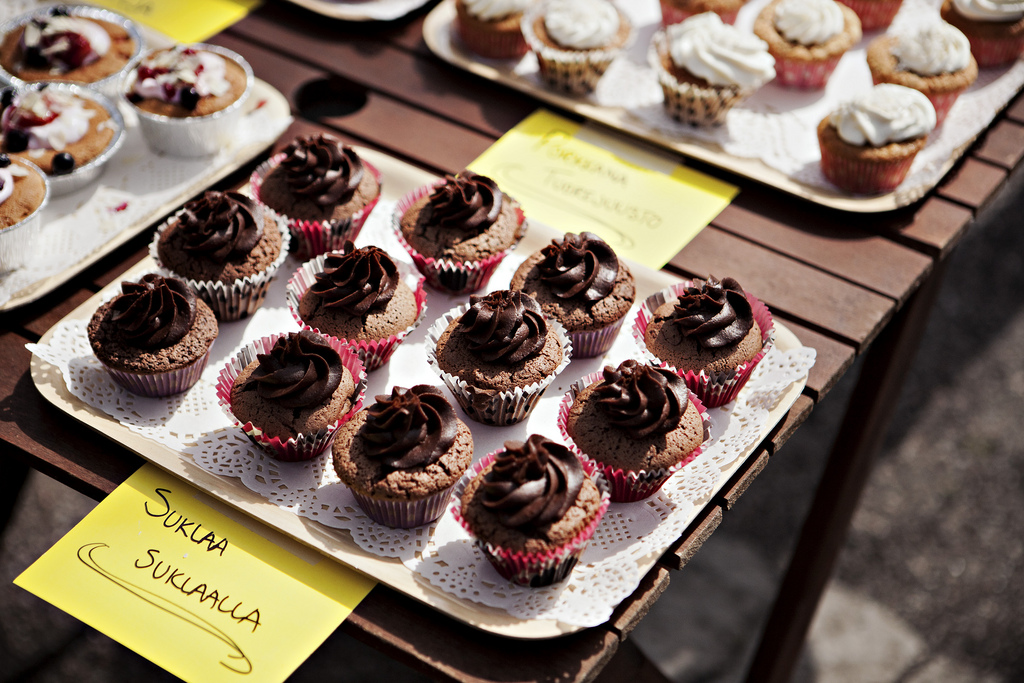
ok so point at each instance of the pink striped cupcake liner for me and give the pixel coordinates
(874, 14)
(627, 486)
(674, 15)
(996, 52)
(405, 514)
(794, 73)
(316, 237)
(445, 275)
(712, 389)
(493, 45)
(303, 446)
(497, 408)
(532, 569)
(373, 352)
(864, 176)
(160, 384)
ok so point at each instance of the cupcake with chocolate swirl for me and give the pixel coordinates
(154, 337)
(321, 189)
(712, 334)
(457, 230)
(361, 296)
(290, 392)
(498, 354)
(403, 455)
(638, 423)
(532, 507)
(227, 250)
(581, 283)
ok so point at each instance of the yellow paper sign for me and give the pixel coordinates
(179, 578)
(573, 185)
(186, 21)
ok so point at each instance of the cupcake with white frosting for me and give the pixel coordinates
(676, 11)
(706, 66)
(575, 40)
(491, 28)
(869, 143)
(995, 28)
(807, 38)
(935, 59)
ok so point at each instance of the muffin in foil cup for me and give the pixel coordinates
(17, 242)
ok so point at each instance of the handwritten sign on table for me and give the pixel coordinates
(186, 21)
(646, 214)
(181, 579)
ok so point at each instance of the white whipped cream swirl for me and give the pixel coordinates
(70, 124)
(490, 10)
(808, 22)
(581, 24)
(887, 113)
(720, 53)
(990, 10)
(937, 48)
(179, 68)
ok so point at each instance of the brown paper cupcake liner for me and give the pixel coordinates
(405, 514)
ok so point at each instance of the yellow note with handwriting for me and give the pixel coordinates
(646, 214)
(186, 21)
(181, 579)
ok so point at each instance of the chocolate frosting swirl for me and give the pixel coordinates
(322, 169)
(641, 399)
(220, 225)
(581, 266)
(357, 280)
(504, 326)
(301, 370)
(466, 202)
(411, 428)
(716, 313)
(155, 312)
(532, 484)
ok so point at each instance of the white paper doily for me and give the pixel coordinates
(441, 554)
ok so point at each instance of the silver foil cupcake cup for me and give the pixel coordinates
(498, 408)
(17, 241)
(191, 136)
(109, 86)
(232, 300)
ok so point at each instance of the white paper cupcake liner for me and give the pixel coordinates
(498, 408)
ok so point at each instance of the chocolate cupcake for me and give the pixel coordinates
(497, 355)
(321, 189)
(711, 333)
(90, 46)
(225, 248)
(68, 131)
(532, 507)
(403, 455)
(291, 392)
(639, 424)
(189, 98)
(581, 283)
(154, 338)
(458, 230)
(24, 191)
(361, 296)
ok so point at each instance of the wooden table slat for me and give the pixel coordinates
(832, 359)
(935, 228)
(743, 478)
(973, 184)
(631, 610)
(700, 530)
(796, 416)
(1002, 145)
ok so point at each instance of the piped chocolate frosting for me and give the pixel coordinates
(357, 280)
(641, 399)
(322, 169)
(467, 202)
(220, 225)
(504, 326)
(582, 266)
(715, 313)
(301, 370)
(155, 312)
(410, 428)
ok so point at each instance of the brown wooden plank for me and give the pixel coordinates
(1016, 109)
(448, 650)
(43, 314)
(973, 184)
(284, 74)
(634, 608)
(868, 260)
(934, 228)
(418, 81)
(631, 664)
(1002, 145)
(682, 551)
(832, 359)
(796, 416)
(742, 479)
(818, 299)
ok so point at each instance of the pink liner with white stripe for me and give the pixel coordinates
(715, 389)
(627, 486)
(303, 446)
(532, 569)
(373, 352)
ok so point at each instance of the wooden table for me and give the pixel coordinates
(845, 284)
